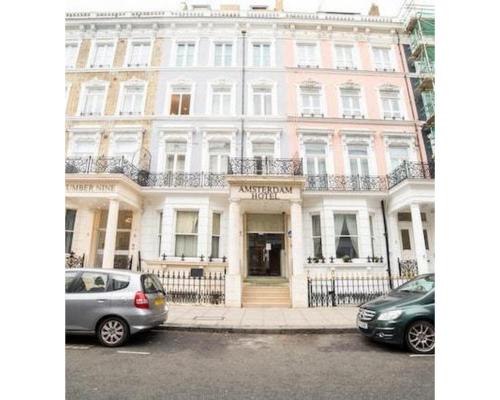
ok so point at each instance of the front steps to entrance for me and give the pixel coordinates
(266, 292)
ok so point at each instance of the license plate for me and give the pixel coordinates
(362, 325)
(159, 301)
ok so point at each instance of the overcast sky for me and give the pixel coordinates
(387, 7)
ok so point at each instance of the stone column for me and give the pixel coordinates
(233, 276)
(418, 238)
(110, 238)
(298, 278)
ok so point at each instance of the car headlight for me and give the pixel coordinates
(390, 315)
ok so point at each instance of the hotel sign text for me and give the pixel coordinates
(266, 192)
(89, 188)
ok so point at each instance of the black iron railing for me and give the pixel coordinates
(410, 170)
(185, 287)
(407, 267)
(335, 290)
(265, 166)
(343, 183)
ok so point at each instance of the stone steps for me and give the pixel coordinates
(266, 294)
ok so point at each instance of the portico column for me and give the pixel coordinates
(298, 279)
(418, 237)
(110, 238)
(233, 276)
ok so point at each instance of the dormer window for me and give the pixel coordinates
(258, 8)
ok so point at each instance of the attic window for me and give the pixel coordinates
(200, 7)
(258, 8)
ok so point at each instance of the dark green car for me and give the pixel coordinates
(405, 316)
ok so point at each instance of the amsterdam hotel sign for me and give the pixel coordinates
(266, 192)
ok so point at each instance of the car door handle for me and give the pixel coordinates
(101, 301)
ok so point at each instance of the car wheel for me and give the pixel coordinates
(113, 332)
(420, 337)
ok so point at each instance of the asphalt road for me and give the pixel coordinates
(195, 365)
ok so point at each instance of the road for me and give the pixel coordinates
(198, 365)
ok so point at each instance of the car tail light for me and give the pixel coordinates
(140, 300)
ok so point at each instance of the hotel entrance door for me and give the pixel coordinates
(264, 254)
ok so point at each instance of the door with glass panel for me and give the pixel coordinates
(122, 244)
(316, 165)
(406, 240)
(263, 154)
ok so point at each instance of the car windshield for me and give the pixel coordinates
(418, 285)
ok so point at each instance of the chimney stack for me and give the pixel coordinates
(374, 11)
(278, 5)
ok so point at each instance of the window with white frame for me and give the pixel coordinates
(316, 236)
(372, 236)
(315, 158)
(175, 156)
(310, 100)
(93, 100)
(263, 149)
(125, 146)
(382, 58)
(358, 160)
(160, 228)
(391, 103)
(132, 101)
(351, 102)
(262, 100)
(71, 54)
(215, 235)
(70, 229)
(185, 55)
(180, 100)
(344, 57)
(223, 54)
(102, 56)
(83, 146)
(261, 54)
(139, 53)
(218, 156)
(307, 55)
(186, 234)
(398, 155)
(346, 236)
(221, 100)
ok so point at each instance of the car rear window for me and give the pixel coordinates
(151, 284)
(90, 282)
(118, 282)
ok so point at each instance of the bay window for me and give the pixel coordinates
(316, 235)
(311, 100)
(132, 101)
(218, 153)
(351, 102)
(358, 160)
(185, 54)
(262, 101)
(139, 53)
(215, 235)
(307, 55)
(180, 100)
(382, 58)
(391, 103)
(221, 100)
(92, 100)
(175, 156)
(346, 235)
(344, 57)
(315, 158)
(102, 56)
(186, 234)
(223, 54)
(261, 54)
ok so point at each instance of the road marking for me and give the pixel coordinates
(78, 347)
(132, 352)
(421, 355)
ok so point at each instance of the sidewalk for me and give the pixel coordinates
(262, 320)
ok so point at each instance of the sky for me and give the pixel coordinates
(386, 7)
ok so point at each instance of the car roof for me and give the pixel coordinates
(110, 270)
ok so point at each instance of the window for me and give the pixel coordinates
(263, 149)
(223, 54)
(84, 146)
(90, 282)
(125, 147)
(262, 101)
(180, 102)
(358, 160)
(351, 102)
(405, 239)
(70, 277)
(344, 56)
(398, 155)
(426, 240)
(391, 103)
(346, 235)
(160, 227)
(315, 158)
(70, 227)
(307, 55)
(71, 54)
(215, 235)
(185, 55)
(221, 100)
(406, 217)
(103, 55)
(176, 157)
(218, 153)
(382, 58)
(118, 282)
(372, 236)
(151, 284)
(316, 234)
(311, 100)
(93, 100)
(261, 54)
(139, 54)
(132, 100)
(186, 234)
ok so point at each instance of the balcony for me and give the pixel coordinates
(345, 183)
(409, 170)
(265, 166)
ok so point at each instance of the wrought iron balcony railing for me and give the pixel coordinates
(265, 166)
(324, 182)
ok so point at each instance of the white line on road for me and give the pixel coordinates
(78, 347)
(132, 352)
(421, 355)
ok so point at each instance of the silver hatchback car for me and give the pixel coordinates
(113, 304)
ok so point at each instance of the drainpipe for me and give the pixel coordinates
(410, 95)
(386, 244)
(242, 96)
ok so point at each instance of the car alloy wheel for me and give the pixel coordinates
(420, 337)
(113, 332)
